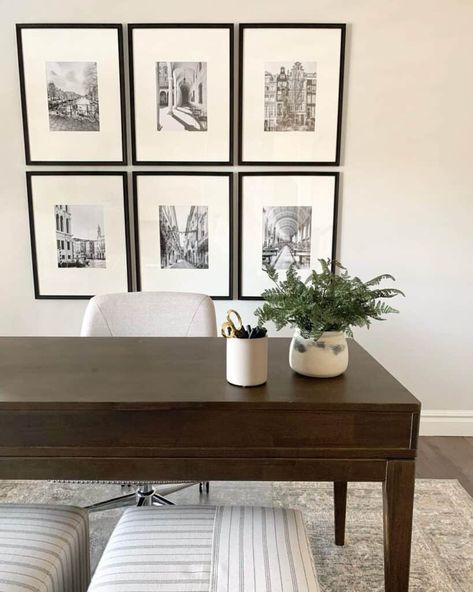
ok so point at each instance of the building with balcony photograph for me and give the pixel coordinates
(64, 245)
(170, 243)
(197, 237)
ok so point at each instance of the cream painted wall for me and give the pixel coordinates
(407, 175)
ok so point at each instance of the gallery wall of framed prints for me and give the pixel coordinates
(291, 88)
(284, 218)
(183, 232)
(181, 108)
(79, 233)
(181, 93)
(72, 92)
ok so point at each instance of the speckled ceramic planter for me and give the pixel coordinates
(325, 357)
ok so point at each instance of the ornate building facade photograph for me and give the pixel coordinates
(287, 236)
(80, 238)
(181, 96)
(290, 96)
(184, 237)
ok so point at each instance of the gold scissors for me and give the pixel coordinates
(228, 328)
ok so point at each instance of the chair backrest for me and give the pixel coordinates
(150, 314)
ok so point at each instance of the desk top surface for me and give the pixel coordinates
(40, 372)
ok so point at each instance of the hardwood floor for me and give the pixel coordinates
(446, 458)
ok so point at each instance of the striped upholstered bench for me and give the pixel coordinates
(43, 548)
(207, 549)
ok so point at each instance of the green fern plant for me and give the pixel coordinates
(326, 301)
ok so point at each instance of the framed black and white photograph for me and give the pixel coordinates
(183, 232)
(181, 93)
(285, 218)
(72, 93)
(291, 88)
(79, 233)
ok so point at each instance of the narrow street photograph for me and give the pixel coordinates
(184, 240)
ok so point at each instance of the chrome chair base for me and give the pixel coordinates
(203, 484)
(144, 495)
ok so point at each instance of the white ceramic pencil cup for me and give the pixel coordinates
(247, 361)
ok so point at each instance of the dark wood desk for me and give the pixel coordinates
(132, 408)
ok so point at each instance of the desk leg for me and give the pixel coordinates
(340, 507)
(398, 498)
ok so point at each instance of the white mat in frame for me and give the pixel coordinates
(181, 93)
(183, 231)
(291, 93)
(72, 91)
(79, 233)
(284, 217)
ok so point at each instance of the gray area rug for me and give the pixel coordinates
(442, 558)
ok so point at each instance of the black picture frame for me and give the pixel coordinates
(24, 108)
(136, 26)
(230, 176)
(334, 174)
(245, 26)
(126, 206)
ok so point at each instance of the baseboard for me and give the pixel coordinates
(446, 422)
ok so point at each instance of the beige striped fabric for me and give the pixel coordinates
(167, 549)
(43, 548)
(207, 549)
(261, 550)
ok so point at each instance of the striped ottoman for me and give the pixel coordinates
(43, 548)
(207, 549)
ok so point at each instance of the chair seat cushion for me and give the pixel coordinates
(43, 548)
(207, 549)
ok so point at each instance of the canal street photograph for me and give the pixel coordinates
(182, 96)
(80, 237)
(73, 102)
(287, 236)
(184, 237)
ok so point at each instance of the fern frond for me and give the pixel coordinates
(379, 278)
(325, 301)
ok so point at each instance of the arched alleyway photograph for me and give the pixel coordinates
(181, 96)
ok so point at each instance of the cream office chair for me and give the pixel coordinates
(149, 314)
